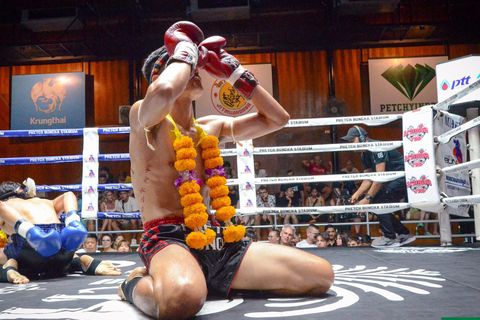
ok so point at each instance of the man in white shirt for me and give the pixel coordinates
(309, 242)
(127, 204)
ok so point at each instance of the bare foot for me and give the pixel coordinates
(137, 272)
(14, 276)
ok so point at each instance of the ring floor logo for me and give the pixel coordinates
(391, 284)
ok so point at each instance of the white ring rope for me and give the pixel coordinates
(367, 120)
(470, 165)
(447, 136)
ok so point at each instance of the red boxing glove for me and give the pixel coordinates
(180, 41)
(222, 65)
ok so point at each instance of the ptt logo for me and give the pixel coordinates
(91, 158)
(246, 153)
(90, 190)
(415, 134)
(445, 85)
(247, 170)
(249, 203)
(419, 186)
(91, 174)
(248, 186)
(417, 159)
(90, 207)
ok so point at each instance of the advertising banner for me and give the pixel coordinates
(402, 84)
(220, 98)
(48, 101)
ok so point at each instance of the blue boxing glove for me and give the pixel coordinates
(46, 244)
(74, 234)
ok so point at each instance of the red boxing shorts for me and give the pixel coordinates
(219, 266)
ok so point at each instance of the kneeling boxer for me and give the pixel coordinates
(41, 246)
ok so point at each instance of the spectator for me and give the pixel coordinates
(107, 243)
(316, 167)
(123, 246)
(264, 200)
(342, 239)
(124, 177)
(126, 204)
(297, 188)
(106, 171)
(351, 186)
(287, 234)
(417, 214)
(108, 205)
(321, 240)
(258, 171)
(117, 240)
(289, 201)
(382, 192)
(309, 242)
(297, 237)
(366, 240)
(332, 235)
(90, 244)
(229, 172)
(274, 237)
(233, 195)
(250, 235)
(353, 241)
(316, 200)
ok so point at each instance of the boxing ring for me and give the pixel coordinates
(369, 282)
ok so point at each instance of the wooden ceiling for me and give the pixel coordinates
(36, 32)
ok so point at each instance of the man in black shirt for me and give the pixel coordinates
(382, 192)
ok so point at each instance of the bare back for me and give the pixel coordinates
(35, 210)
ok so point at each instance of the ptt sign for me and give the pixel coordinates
(445, 84)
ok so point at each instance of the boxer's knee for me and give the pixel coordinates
(182, 301)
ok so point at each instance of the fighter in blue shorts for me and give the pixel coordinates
(40, 245)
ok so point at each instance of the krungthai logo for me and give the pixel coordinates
(49, 94)
(227, 100)
(410, 81)
(417, 159)
(419, 186)
(415, 134)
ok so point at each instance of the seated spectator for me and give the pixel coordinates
(316, 200)
(90, 244)
(342, 239)
(417, 214)
(264, 200)
(287, 234)
(309, 242)
(298, 189)
(107, 243)
(353, 241)
(123, 246)
(332, 235)
(315, 166)
(297, 237)
(127, 204)
(250, 235)
(274, 237)
(106, 171)
(321, 240)
(366, 240)
(229, 172)
(117, 240)
(289, 201)
(124, 177)
(258, 171)
(108, 205)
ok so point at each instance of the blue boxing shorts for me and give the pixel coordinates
(34, 266)
(219, 266)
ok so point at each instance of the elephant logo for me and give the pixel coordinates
(49, 95)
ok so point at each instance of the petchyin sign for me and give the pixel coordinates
(403, 84)
(48, 101)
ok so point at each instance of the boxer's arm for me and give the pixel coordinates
(163, 92)
(65, 202)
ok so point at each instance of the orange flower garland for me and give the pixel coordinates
(218, 189)
(188, 186)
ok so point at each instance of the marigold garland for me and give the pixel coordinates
(195, 212)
